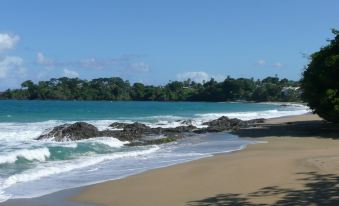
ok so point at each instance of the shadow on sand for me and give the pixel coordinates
(319, 189)
(294, 129)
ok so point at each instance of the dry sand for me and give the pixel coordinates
(299, 165)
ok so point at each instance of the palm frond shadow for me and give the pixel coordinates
(293, 129)
(319, 189)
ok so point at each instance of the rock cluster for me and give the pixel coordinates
(67, 132)
(135, 132)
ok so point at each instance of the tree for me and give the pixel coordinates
(31, 88)
(320, 82)
(115, 88)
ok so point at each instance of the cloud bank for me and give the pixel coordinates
(8, 41)
(199, 76)
(70, 73)
(11, 65)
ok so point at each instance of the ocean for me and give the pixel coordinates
(31, 168)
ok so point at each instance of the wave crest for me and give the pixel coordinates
(41, 154)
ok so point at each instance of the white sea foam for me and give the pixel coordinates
(69, 145)
(104, 124)
(252, 115)
(160, 117)
(40, 154)
(3, 196)
(109, 141)
(52, 168)
(25, 131)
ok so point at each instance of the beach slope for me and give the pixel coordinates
(297, 163)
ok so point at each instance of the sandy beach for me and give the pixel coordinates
(297, 164)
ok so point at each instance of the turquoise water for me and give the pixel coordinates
(29, 167)
(33, 111)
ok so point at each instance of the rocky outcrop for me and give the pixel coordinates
(118, 125)
(132, 132)
(135, 132)
(226, 124)
(71, 132)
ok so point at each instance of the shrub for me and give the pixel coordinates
(320, 82)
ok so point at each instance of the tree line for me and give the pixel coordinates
(115, 88)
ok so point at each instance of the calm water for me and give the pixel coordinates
(29, 167)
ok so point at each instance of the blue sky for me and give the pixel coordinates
(157, 41)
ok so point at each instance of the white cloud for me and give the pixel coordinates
(261, 62)
(127, 63)
(70, 73)
(278, 65)
(90, 63)
(200, 76)
(140, 66)
(219, 77)
(41, 59)
(8, 41)
(195, 76)
(124, 64)
(11, 65)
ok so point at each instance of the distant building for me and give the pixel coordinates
(287, 90)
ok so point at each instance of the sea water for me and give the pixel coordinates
(31, 168)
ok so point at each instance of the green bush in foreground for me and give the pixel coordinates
(320, 82)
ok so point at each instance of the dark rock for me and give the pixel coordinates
(136, 131)
(155, 141)
(132, 132)
(222, 124)
(179, 129)
(256, 121)
(157, 130)
(76, 131)
(109, 133)
(137, 127)
(188, 122)
(226, 124)
(118, 125)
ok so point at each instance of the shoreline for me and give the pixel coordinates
(93, 194)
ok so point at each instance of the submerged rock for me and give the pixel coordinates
(156, 141)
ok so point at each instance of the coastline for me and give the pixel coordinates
(284, 169)
(226, 179)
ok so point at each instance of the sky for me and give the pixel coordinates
(153, 42)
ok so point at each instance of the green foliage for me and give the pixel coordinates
(320, 82)
(115, 88)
